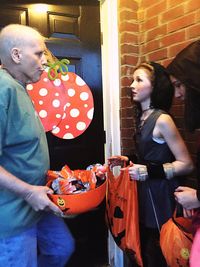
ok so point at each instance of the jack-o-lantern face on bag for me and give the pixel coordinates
(122, 214)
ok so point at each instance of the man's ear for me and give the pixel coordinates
(16, 55)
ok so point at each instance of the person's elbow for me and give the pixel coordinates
(189, 166)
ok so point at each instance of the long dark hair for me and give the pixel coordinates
(186, 68)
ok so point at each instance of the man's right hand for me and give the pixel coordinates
(38, 199)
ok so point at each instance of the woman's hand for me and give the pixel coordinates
(187, 197)
(138, 172)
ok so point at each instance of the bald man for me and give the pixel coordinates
(27, 219)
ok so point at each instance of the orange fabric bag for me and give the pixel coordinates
(176, 241)
(122, 213)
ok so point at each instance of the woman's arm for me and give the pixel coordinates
(165, 128)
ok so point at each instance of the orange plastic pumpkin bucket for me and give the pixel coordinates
(80, 202)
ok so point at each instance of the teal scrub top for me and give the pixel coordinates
(23, 152)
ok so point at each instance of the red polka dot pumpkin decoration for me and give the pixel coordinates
(65, 105)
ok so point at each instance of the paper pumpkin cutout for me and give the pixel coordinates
(48, 98)
(78, 110)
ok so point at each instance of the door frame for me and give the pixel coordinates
(111, 76)
(111, 97)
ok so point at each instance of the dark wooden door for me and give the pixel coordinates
(82, 48)
(72, 31)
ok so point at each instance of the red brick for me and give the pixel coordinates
(165, 62)
(127, 70)
(172, 13)
(126, 81)
(175, 49)
(156, 9)
(128, 151)
(172, 3)
(149, 24)
(129, 60)
(127, 112)
(129, 49)
(126, 123)
(157, 32)
(146, 3)
(182, 22)
(127, 142)
(193, 31)
(127, 132)
(126, 92)
(129, 27)
(127, 38)
(192, 5)
(150, 46)
(127, 15)
(173, 38)
(128, 4)
(157, 55)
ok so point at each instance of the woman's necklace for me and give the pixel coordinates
(144, 116)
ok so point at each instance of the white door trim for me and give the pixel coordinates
(110, 76)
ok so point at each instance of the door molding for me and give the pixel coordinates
(111, 76)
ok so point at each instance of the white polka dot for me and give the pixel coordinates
(65, 77)
(57, 82)
(66, 126)
(79, 81)
(68, 136)
(29, 87)
(84, 96)
(56, 103)
(41, 102)
(58, 116)
(56, 130)
(43, 92)
(74, 112)
(80, 126)
(43, 114)
(45, 80)
(56, 94)
(71, 92)
(90, 113)
(85, 105)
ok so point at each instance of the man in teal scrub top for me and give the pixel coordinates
(27, 219)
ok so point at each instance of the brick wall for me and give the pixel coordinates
(153, 30)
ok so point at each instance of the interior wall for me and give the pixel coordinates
(154, 30)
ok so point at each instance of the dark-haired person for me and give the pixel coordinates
(27, 219)
(185, 76)
(162, 156)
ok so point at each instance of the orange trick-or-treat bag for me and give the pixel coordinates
(176, 241)
(122, 213)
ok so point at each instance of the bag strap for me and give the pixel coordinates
(179, 213)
